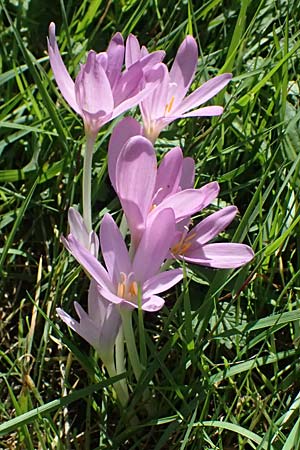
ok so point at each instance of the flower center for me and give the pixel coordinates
(127, 287)
(182, 246)
(169, 105)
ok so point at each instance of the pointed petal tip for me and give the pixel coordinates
(52, 39)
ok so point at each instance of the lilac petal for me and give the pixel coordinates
(188, 202)
(114, 250)
(154, 245)
(102, 59)
(205, 92)
(78, 230)
(212, 225)
(92, 88)
(136, 220)
(85, 328)
(133, 51)
(135, 176)
(125, 129)
(149, 60)
(129, 84)
(77, 226)
(220, 255)
(168, 175)
(152, 79)
(62, 77)
(110, 296)
(115, 53)
(162, 281)
(105, 315)
(87, 261)
(183, 68)
(188, 173)
(206, 111)
(154, 105)
(152, 304)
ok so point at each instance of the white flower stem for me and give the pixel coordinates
(120, 358)
(137, 368)
(87, 181)
(121, 393)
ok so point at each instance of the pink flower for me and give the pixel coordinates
(124, 280)
(144, 190)
(167, 102)
(192, 246)
(99, 327)
(101, 90)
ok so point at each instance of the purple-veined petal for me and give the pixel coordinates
(87, 261)
(212, 225)
(154, 245)
(188, 173)
(188, 202)
(125, 129)
(133, 51)
(168, 175)
(162, 281)
(220, 255)
(135, 177)
(115, 53)
(152, 304)
(62, 77)
(114, 250)
(92, 88)
(205, 92)
(183, 68)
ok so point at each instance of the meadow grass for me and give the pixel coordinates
(221, 358)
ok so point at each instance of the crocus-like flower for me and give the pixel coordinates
(101, 90)
(124, 281)
(100, 326)
(78, 229)
(168, 102)
(192, 246)
(144, 190)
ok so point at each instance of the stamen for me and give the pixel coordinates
(127, 289)
(169, 105)
(183, 245)
(133, 290)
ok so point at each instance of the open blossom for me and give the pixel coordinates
(99, 326)
(144, 190)
(169, 102)
(123, 280)
(101, 90)
(193, 246)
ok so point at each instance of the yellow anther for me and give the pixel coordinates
(121, 290)
(153, 207)
(169, 105)
(183, 245)
(133, 290)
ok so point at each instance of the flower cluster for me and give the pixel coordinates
(158, 201)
